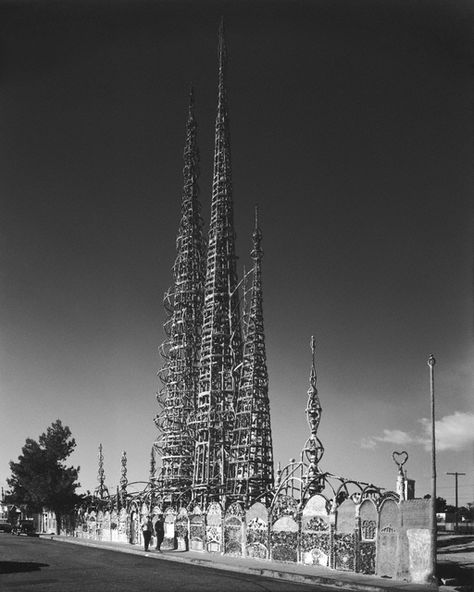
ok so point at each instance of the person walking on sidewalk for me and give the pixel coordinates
(147, 527)
(159, 531)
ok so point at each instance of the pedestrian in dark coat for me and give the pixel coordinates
(147, 530)
(159, 531)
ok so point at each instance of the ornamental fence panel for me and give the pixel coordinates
(257, 541)
(234, 530)
(315, 535)
(214, 523)
(344, 546)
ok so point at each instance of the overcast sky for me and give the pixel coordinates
(351, 125)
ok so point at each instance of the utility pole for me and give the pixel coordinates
(431, 363)
(456, 515)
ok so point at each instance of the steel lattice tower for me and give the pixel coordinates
(221, 332)
(251, 459)
(180, 351)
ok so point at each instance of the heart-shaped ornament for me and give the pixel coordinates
(400, 458)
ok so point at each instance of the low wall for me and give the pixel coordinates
(381, 537)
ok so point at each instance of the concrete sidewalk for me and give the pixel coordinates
(314, 575)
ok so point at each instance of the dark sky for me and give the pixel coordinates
(351, 127)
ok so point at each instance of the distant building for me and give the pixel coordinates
(409, 489)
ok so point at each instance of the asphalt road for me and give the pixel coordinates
(44, 565)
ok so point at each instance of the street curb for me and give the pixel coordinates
(335, 581)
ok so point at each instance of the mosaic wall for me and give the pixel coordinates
(382, 537)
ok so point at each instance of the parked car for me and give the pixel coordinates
(25, 527)
(5, 526)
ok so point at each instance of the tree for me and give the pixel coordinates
(440, 503)
(40, 478)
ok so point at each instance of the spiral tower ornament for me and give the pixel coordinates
(313, 449)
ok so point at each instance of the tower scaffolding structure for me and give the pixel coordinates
(180, 351)
(251, 459)
(221, 345)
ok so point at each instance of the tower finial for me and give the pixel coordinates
(222, 59)
(313, 409)
(257, 252)
(312, 380)
(123, 470)
(101, 473)
(221, 37)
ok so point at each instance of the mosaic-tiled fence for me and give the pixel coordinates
(385, 538)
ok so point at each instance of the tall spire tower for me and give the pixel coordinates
(251, 458)
(221, 333)
(180, 351)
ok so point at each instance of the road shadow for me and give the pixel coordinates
(20, 566)
(455, 546)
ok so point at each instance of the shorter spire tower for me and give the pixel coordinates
(313, 449)
(251, 457)
(123, 474)
(101, 491)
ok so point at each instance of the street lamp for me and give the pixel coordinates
(431, 363)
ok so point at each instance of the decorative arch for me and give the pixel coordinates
(349, 489)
